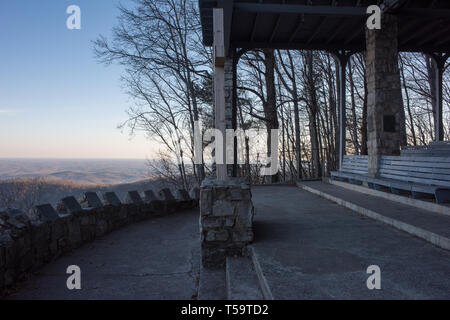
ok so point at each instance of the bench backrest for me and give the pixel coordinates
(425, 170)
(434, 149)
(355, 164)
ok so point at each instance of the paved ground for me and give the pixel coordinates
(430, 221)
(155, 259)
(310, 248)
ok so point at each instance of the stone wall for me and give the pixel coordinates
(26, 245)
(226, 218)
(386, 115)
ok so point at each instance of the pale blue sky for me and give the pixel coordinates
(56, 101)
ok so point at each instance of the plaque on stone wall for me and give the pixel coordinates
(388, 123)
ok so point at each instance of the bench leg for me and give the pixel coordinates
(399, 192)
(419, 195)
(340, 179)
(357, 182)
(379, 187)
(442, 195)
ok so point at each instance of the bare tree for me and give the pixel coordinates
(159, 44)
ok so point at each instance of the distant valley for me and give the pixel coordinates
(101, 171)
(21, 185)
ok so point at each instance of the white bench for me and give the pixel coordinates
(353, 169)
(419, 176)
(433, 149)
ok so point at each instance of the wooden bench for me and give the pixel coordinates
(419, 176)
(353, 169)
(433, 149)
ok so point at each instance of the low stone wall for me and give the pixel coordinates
(26, 245)
(226, 220)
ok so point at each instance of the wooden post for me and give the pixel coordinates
(439, 134)
(341, 74)
(234, 112)
(219, 89)
(439, 60)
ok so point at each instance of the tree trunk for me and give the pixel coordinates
(313, 106)
(354, 120)
(270, 106)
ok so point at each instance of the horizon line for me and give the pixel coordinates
(58, 158)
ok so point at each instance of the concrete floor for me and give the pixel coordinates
(427, 220)
(154, 259)
(310, 248)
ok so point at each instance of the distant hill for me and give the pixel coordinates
(102, 171)
(27, 182)
(94, 178)
(24, 193)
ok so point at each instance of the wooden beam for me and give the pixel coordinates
(219, 38)
(255, 22)
(424, 13)
(317, 30)
(300, 9)
(355, 33)
(227, 6)
(275, 28)
(393, 5)
(443, 40)
(408, 30)
(418, 34)
(319, 45)
(301, 21)
(340, 27)
(432, 36)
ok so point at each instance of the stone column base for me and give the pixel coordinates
(226, 219)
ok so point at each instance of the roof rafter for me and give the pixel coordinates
(299, 9)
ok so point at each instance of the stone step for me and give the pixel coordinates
(212, 284)
(242, 282)
(427, 225)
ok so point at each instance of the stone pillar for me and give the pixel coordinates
(386, 116)
(226, 218)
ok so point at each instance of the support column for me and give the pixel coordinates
(439, 60)
(342, 57)
(223, 94)
(385, 112)
(439, 133)
(234, 111)
(229, 113)
(226, 209)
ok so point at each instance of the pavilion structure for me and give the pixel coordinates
(232, 27)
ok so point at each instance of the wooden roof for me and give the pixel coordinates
(424, 25)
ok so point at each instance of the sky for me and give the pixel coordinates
(56, 100)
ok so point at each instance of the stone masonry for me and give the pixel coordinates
(226, 218)
(386, 115)
(25, 244)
